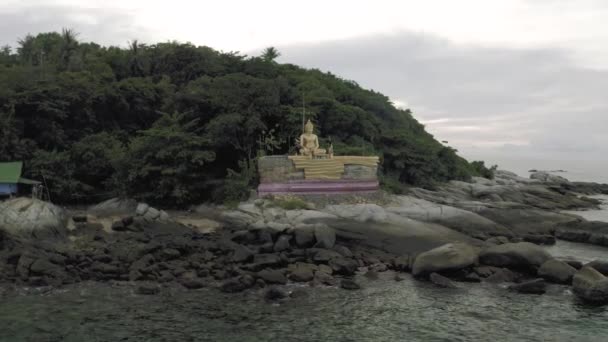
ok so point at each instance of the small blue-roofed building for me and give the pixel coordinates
(10, 178)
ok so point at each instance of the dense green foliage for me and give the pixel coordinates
(92, 120)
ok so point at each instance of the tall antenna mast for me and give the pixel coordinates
(303, 112)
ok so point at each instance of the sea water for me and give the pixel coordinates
(383, 310)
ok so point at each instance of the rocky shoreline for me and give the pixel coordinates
(483, 231)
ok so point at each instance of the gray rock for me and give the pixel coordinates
(590, 285)
(127, 221)
(44, 266)
(242, 254)
(498, 240)
(323, 256)
(520, 254)
(147, 289)
(325, 268)
(442, 281)
(141, 209)
(80, 218)
(233, 285)
(192, 283)
(298, 293)
(282, 243)
(302, 274)
(325, 236)
(164, 216)
(151, 214)
(349, 284)
(450, 256)
(556, 271)
(267, 260)
(343, 266)
(304, 236)
(274, 293)
(402, 263)
(115, 206)
(271, 276)
(577, 264)
(502, 275)
(546, 177)
(324, 278)
(118, 226)
(343, 250)
(539, 239)
(170, 253)
(600, 266)
(536, 286)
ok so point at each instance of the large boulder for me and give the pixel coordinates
(115, 206)
(590, 285)
(30, 217)
(556, 271)
(518, 255)
(451, 256)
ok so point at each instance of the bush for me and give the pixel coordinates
(289, 203)
(479, 169)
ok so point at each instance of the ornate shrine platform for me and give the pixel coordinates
(306, 175)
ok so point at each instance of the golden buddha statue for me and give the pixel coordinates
(309, 142)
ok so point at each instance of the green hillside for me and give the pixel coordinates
(175, 123)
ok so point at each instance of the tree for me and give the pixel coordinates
(270, 54)
(166, 163)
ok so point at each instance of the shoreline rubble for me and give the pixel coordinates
(483, 231)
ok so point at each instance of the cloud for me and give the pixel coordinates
(105, 25)
(477, 97)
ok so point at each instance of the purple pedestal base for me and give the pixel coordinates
(318, 187)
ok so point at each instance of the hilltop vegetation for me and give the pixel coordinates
(175, 123)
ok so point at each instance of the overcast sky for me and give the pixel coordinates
(497, 79)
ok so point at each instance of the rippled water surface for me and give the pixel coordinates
(384, 310)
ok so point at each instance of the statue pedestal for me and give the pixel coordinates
(303, 175)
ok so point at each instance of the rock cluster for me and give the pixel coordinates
(161, 252)
(149, 213)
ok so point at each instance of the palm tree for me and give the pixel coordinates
(270, 54)
(26, 49)
(136, 65)
(69, 43)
